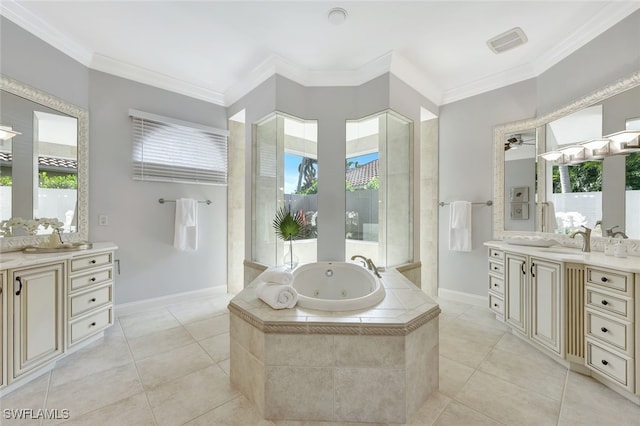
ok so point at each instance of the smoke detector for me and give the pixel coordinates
(337, 16)
(507, 40)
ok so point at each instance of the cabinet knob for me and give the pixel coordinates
(495, 304)
(604, 302)
(495, 285)
(92, 279)
(19, 288)
(93, 299)
(605, 362)
(93, 261)
(93, 324)
(603, 329)
(604, 279)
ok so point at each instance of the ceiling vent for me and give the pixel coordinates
(507, 40)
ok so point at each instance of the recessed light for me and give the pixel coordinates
(337, 16)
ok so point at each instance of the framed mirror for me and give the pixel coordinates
(597, 199)
(44, 177)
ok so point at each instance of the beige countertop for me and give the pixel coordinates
(19, 259)
(568, 254)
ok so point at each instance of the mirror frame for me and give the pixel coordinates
(82, 115)
(499, 233)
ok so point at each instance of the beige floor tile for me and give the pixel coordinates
(95, 391)
(457, 414)
(132, 411)
(217, 346)
(506, 402)
(162, 341)
(453, 376)
(471, 331)
(535, 372)
(198, 310)
(588, 402)
(209, 327)
(30, 396)
(136, 325)
(237, 412)
(186, 398)
(226, 366)
(430, 410)
(316, 423)
(463, 351)
(483, 317)
(172, 364)
(452, 308)
(104, 354)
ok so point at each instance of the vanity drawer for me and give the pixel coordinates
(612, 280)
(496, 267)
(94, 261)
(615, 333)
(496, 254)
(94, 278)
(614, 366)
(496, 304)
(612, 304)
(90, 325)
(496, 284)
(87, 301)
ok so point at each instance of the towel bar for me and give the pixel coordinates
(488, 203)
(162, 201)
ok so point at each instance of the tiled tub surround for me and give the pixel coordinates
(374, 365)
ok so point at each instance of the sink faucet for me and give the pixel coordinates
(368, 263)
(586, 238)
(612, 234)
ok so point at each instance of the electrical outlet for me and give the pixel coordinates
(103, 220)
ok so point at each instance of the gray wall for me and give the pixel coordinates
(142, 227)
(466, 173)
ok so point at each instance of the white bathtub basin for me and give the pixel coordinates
(336, 286)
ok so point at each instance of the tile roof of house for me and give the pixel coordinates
(45, 161)
(361, 175)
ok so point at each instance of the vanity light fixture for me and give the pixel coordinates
(596, 149)
(7, 132)
(552, 155)
(624, 142)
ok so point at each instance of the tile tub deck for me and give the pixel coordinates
(374, 365)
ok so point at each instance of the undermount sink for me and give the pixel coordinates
(81, 245)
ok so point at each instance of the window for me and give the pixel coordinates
(169, 150)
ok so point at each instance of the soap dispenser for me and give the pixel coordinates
(620, 249)
(609, 247)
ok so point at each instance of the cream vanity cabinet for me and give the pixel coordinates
(36, 308)
(533, 299)
(52, 305)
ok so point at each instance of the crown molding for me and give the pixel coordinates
(22, 17)
(608, 16)
(155, 79)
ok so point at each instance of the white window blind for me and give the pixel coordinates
(170, 150)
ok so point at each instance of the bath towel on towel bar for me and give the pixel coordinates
(460, 226)
(185, 236)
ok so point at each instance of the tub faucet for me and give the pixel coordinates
(612, 234)
(586, 238)
(368, 263)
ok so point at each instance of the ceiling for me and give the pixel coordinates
(219, 50)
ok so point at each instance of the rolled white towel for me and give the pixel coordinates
(278, 296)
(277, 277)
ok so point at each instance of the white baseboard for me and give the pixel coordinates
(159, 302)
(459, 296)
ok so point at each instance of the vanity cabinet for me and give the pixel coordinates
(37, 312)
(533, 299)
(610, 325)
(496, 282)
(52, 305)
(3, 329)
(90, 296)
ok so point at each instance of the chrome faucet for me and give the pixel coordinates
(586, 238)
(368, 263)
(612, 234)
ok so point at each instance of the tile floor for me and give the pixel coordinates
(170, 366)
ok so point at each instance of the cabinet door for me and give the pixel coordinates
(516, 291)
(3, 329)
(546, 303)
(37, 302)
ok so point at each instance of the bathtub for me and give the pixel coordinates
(336, 286)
